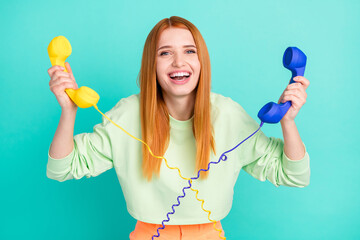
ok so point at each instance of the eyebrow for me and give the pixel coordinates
(167, 46)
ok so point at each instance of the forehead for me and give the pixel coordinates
(175, 37)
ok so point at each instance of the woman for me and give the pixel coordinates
(180, 119)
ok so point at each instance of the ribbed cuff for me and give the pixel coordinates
(296, 166)
(59, 165)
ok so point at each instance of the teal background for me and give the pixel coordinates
(246, 41)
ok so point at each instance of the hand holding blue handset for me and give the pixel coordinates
(294, 60)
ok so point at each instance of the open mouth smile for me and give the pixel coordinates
(179, 75)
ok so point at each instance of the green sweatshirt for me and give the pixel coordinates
(108, 146)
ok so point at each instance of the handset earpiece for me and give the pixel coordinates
(294, 60)
(59, 49)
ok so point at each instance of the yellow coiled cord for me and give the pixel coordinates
(166, 162)
(59, 49)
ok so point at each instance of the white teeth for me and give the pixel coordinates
(180, 74)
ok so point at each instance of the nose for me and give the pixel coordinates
(178, 60)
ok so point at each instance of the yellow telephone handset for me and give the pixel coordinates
(59, 49)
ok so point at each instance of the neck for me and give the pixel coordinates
(180, 107)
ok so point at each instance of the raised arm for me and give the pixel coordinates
(62, 143)
(293, 146)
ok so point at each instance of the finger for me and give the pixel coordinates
(302, 80)
(294, 86)
(296, 103)
(58, 74)
(297, 94)
(297, 87)
(299, 100)
(292, 92)
(60, 81)
(55, 68)
(62, 87)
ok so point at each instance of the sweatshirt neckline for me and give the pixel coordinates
(177, 124)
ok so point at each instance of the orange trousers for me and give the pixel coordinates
(144, 231)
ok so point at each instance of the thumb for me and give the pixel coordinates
(68, 69)
(280, 99)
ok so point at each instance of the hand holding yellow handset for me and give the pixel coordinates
(59, 49)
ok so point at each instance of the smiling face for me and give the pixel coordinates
(177, 63)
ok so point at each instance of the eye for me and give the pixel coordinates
(190, 51)
(163, 53)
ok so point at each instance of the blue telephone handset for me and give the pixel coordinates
(294, 60)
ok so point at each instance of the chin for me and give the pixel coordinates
(183, 94)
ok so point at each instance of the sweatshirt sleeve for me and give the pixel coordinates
(264, 158)
(271, 163)
(90, 156)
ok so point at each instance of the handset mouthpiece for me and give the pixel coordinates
(84, 97)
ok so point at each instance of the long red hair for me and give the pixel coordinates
(154, 114)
